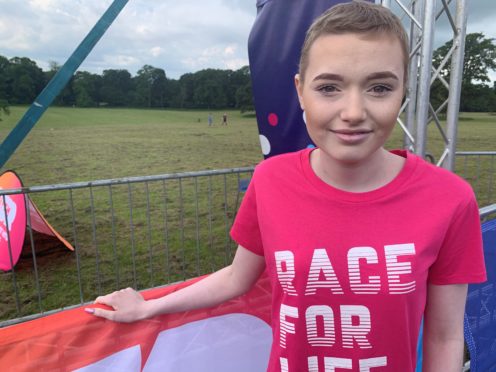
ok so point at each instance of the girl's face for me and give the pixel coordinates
(351, 94)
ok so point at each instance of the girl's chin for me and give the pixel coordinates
(349, 157)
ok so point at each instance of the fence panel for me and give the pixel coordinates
(478, 167)
(140, 232)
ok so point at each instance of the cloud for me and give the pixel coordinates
(229, 50)
(177, 36)
(122, 61)
(236, 63)
(156, 51)
(188, 36)
(43, 5)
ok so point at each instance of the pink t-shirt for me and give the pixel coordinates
(349, 271)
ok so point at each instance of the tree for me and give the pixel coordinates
(86, 88)
(210, 88)
(4, 64)
(66, 96)
(244, 98)
(185, 92)
(117, 87)
(479, 59)
(150, 84)
(478, 98)
(4, 108)
(241, 80)
(4, 104)
(25, 80)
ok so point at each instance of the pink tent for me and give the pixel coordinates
(13, 223)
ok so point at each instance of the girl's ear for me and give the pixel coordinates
(299, 90)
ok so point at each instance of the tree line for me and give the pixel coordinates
(21, 80)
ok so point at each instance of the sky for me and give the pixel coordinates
(178, 36)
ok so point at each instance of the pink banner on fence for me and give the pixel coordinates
(235, 336)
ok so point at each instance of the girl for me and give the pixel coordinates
(359, 242)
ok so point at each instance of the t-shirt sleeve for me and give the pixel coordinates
(461, 258)
(246, 230)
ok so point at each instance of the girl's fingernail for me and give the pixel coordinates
(89, 310)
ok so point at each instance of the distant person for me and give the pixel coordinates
(224, 119)
(210, 120)
(359, 242)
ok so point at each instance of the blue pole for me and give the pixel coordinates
(58, 82)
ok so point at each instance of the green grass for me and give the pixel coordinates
(181, 229)
(73, 144)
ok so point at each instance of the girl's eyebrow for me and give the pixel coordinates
(382, 75)
(373, 76)
(328, 76)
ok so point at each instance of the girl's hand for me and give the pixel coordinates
(129, 306)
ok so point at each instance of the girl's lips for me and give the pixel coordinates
(351, 137)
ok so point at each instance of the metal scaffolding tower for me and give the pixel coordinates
(422, 21)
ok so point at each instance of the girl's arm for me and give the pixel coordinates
(227, 283)
(443, 328)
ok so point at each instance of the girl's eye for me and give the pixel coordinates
(326, 89)
(380, 89)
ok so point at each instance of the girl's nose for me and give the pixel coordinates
(353, 110)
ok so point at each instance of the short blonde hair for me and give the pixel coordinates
(360, 17)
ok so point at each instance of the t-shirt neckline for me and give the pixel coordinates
(390, 188)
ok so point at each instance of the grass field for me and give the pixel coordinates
(73, 144)
(148, 234)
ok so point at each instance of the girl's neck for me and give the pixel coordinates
(379, 169)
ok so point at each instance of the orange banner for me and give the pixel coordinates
(233, 336)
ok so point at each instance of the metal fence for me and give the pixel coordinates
(478, 168)
(144, 232)
(140, 232)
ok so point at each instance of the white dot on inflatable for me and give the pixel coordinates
(304, 117)
(264, 142)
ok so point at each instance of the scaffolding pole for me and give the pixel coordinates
(455, 83)
(417, 110)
